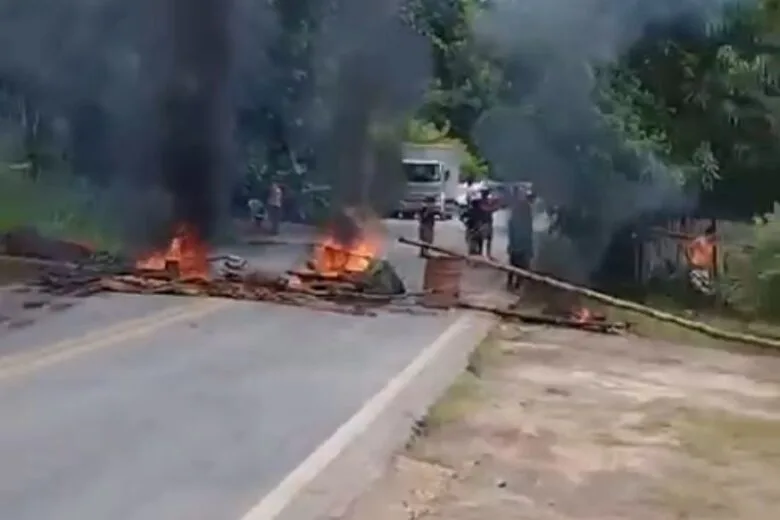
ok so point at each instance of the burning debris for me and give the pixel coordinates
(347, 253)
(344, 274)
(185, 257)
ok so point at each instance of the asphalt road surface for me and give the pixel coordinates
(149, 408)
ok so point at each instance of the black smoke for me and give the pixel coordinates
(551, 120)
(194, 111)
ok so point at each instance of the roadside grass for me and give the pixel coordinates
(722, 446)
(651, 328)
(465, 393)
(61, 208)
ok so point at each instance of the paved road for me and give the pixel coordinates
(148, 408)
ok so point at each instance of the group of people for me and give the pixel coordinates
(478, 218)
(525, 213)
(270, 212)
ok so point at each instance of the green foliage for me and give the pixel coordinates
(467, 80)
(701, 97)
(754, 270)
(56, 205)
(474, 167)
(422, 132)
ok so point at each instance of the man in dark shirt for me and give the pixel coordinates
(426, 224)
(520, 245)
(472, 219)
(487, 206)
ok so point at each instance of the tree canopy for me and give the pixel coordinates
(689, 104)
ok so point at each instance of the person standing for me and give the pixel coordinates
(255, 210)
(274, 207)
(427, 224)
(520, 245)
(487, 206)
(472, 219)
(700, 253)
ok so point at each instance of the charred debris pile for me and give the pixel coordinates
(344, 272)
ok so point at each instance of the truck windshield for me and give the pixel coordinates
(422, 172)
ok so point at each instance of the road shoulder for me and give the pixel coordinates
(345, 464)
(569, 425)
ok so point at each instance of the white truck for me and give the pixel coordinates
(431, 170)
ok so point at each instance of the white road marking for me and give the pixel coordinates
(274, 503)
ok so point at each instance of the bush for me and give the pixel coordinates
(60, 206)
(753, 268)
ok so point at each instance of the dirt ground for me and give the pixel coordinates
(560, 424)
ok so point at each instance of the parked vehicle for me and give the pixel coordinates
(432, 170)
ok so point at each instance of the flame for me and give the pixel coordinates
(333, 258)
(185, 251)
(583, 315)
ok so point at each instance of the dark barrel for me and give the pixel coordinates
(441, 281)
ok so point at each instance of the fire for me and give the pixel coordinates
(583, 315)
(333, 258)
(349, 245)
(186, 254)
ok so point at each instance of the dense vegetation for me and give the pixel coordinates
(688, 107)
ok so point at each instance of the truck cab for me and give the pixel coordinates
(430, 170)
(424, 179)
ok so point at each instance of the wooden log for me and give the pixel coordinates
(539, 319)
(703, 328)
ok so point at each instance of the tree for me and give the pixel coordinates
(708, 91)
(466, 79)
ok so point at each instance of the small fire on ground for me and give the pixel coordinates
(332, 258)
(584, 315)
(340, 276)
(347, 247)
(186, 256)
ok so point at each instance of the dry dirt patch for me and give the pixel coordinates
(553, 424)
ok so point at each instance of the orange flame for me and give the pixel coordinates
(349, 245)
(583, 315)
(185, 251)
(332, 258)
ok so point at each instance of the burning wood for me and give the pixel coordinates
(340, 277)
(703, 328)
(185, 256)
(347, 253)
(591, 324)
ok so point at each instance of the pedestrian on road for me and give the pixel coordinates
(520, 245)
(487, 206)
(255, 210)
(472, 219)
(426, 224)
(274, 207)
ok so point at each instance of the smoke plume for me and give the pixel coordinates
(195, 110)
(374, 70)
(552, 120)
(143, 97)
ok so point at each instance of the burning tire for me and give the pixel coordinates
(382, 279)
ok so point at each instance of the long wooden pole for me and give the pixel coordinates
(697, 326)
(598, 326)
